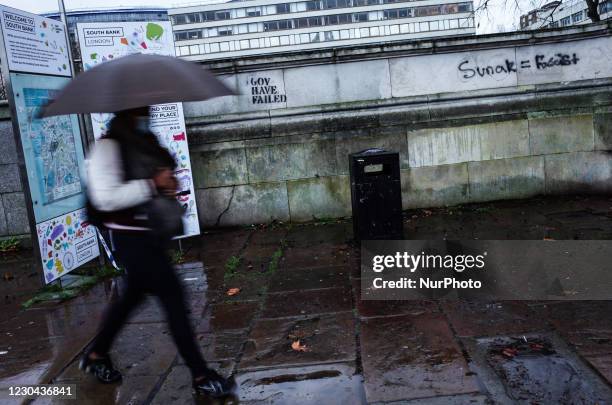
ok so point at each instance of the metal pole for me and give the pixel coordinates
(62, 11)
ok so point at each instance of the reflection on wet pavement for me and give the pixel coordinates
(298, 333)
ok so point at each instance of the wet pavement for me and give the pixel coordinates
(297, 332)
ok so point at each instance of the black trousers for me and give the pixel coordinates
(149, 270)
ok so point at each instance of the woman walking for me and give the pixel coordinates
(127, 170)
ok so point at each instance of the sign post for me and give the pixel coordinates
(36, 65)
(102, 42)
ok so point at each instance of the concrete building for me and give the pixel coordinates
(562, 14)
(107, 15)
(257, 27)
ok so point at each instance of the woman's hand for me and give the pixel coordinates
(166, 182)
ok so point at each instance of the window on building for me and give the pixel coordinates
(345, 18)
(449, 8)
(222, 15)
(181, 36)
(194, 18)
(240, 12)
(315, 21)
(605, 7)
(243, 29)
(270, 26)
(344, 3)
(284, 25)
(253, 12)
(330, 3)
(331, 19)
(403, 13)
(254, 27)
(390, 14)
(565, 21)
(225, 31)
(577, 16)
(465, 7)
(554, 24)
(179, 19)
(282, 8)
(195, 34)
(360, 17)
(284, 40)
(301, 23)
(313, 5)
(209, 16)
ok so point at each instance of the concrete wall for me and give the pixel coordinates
(13, 212)
(523, 127)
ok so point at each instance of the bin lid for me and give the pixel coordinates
(372, 152)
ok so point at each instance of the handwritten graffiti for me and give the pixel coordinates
(560, 59)
(264, 92)
(490, 70)
(469, 70)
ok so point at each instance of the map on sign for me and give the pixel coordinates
(54, 150)
(52, 147)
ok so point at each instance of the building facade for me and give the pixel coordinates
(258, 27)
(107, 15)
(562, 14)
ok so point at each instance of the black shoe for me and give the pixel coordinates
(214, 386)
(102, 368)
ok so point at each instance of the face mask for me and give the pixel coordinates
(142, 124)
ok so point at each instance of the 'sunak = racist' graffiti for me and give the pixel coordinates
(468, 69)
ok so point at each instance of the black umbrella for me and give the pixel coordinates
(133, 81)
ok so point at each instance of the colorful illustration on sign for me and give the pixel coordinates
(66, 242)
(154, 32)
(52, 141)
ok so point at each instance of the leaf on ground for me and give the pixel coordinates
(548, 238)
(233, 291)
(298, 347)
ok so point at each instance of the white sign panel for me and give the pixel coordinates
(34, 44)
(102, 42)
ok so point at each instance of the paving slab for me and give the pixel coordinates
(411, 357)
(132, 390)
(469, 399)
(315, 256)
(228, 316)
(309, 279)
(220, 346)
(176, 387)
(470, 318)
(307, 236)
(309, 302)
(311, 385)
(327, 338)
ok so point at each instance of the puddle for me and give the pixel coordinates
(312, 385)
(533, 371)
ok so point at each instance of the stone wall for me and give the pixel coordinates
(13, 212)
(522, 125)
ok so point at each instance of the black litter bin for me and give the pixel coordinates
(376, 194)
